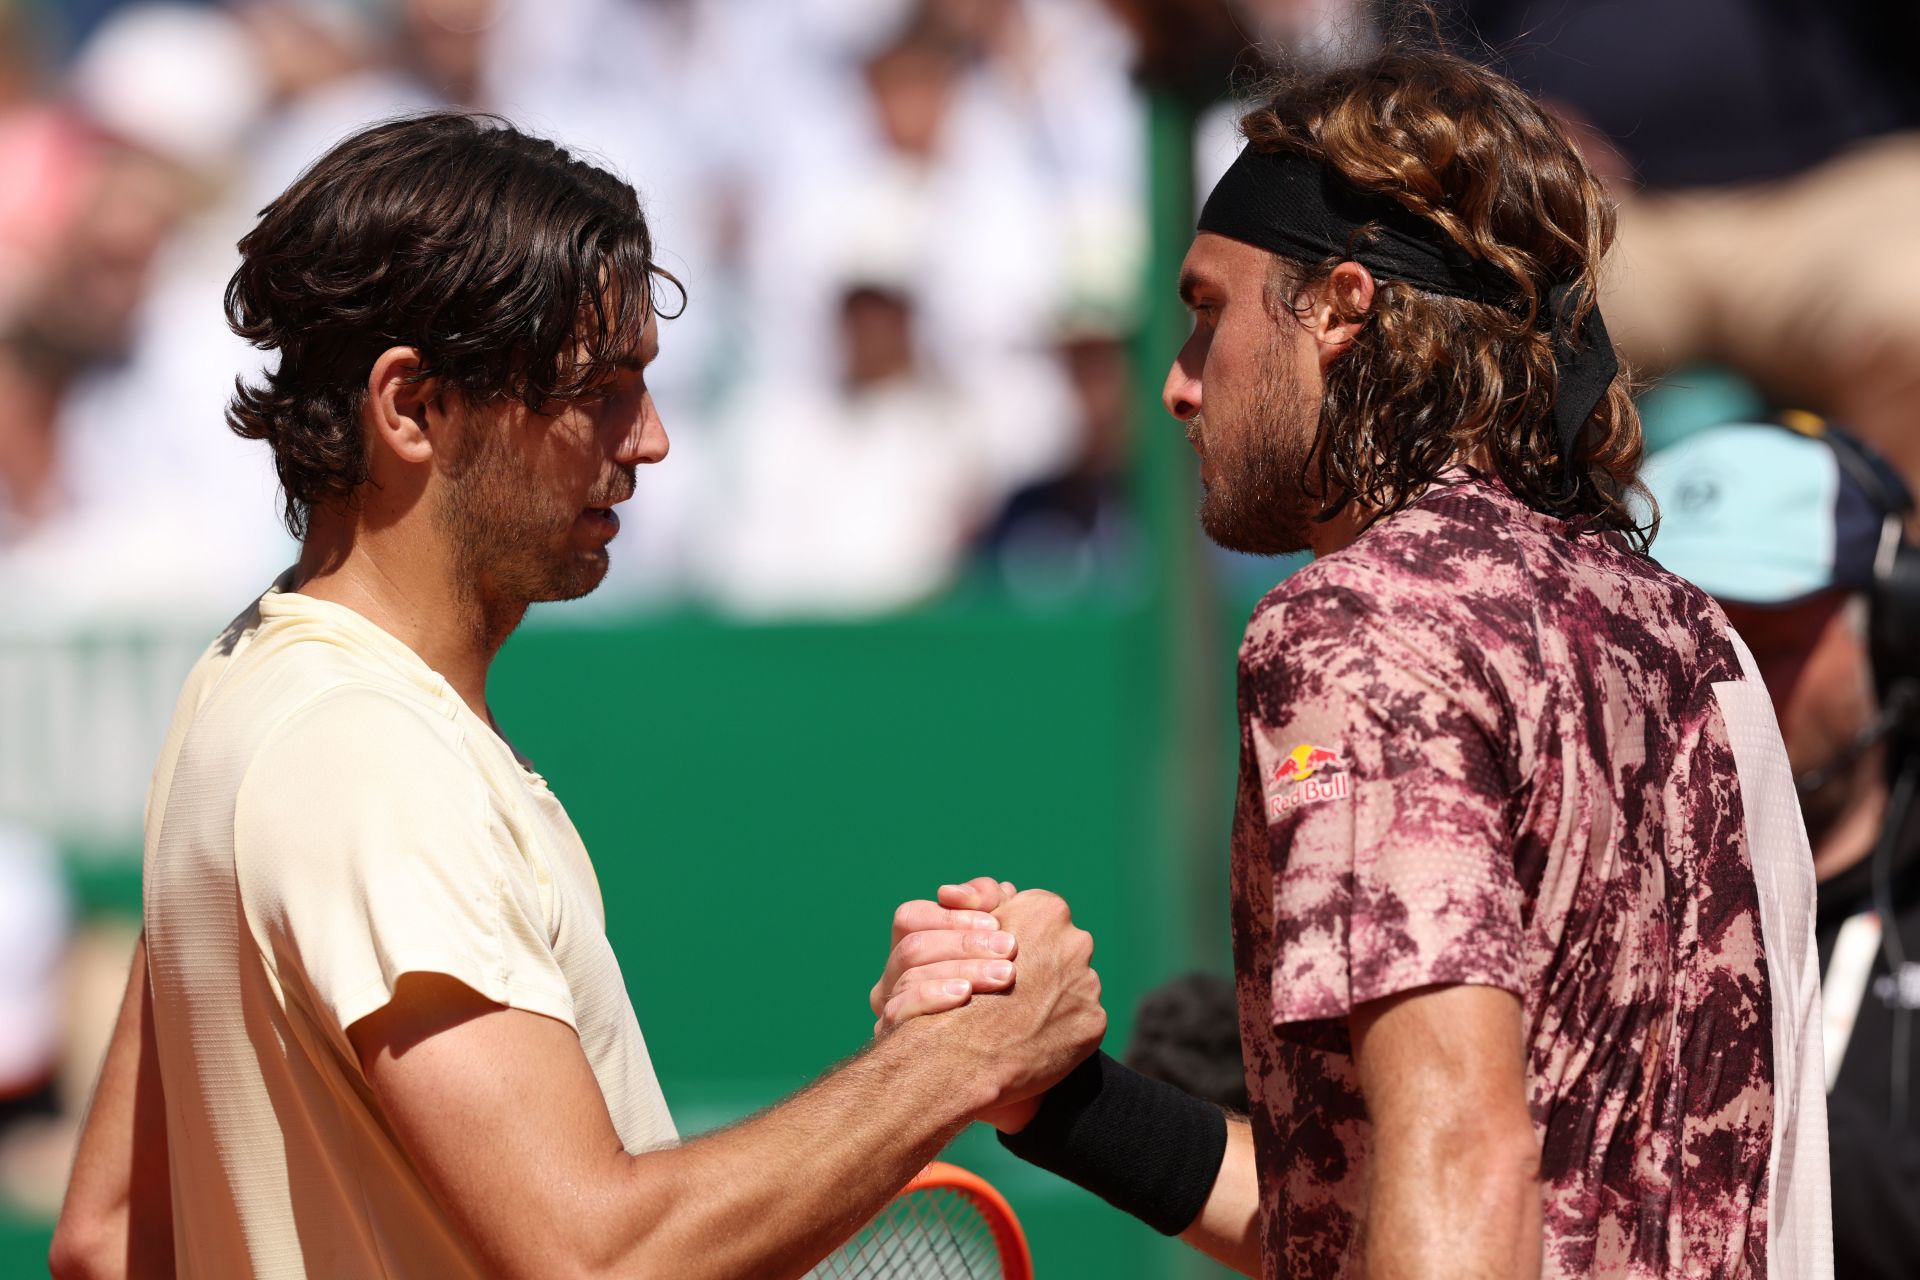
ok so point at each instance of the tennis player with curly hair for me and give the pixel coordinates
(1522, 907)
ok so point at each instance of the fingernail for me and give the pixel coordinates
(983, 921)
(949, 888)
(999, 970)
(956, 987)
(1001, 943)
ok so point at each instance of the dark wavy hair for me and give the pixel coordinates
(1431, 380)
(514, 267)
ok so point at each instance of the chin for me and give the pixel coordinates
(575, 580)
(1237, 530)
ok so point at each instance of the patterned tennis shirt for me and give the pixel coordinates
(1478, 747)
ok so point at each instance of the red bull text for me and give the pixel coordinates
(1309, 774)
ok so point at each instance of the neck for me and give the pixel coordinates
(414, 592)
(1328, 536)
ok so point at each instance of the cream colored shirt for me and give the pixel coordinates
(328, 815)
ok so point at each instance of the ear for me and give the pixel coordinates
(398, 405)
(1340, 310)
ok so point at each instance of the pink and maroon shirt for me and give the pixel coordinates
(1477, 747)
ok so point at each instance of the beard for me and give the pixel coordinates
(513, 543)
(1257, 500)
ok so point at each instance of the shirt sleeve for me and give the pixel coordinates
(1384, 797)
(367, 846)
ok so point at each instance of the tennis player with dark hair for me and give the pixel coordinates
(1523, 910)
(376, 1028)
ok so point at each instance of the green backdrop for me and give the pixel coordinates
(759, 800)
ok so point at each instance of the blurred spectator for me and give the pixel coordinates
(1795, 534)
(53, 165)
(1076, 528)
(1712, 92)
(34, 920)
(939, 126)
(1769, 179)
(331, 66)
(180, 83)
(1806, 286)
(1187, 48)
(1187, 1033)
(126, 404)
(858, 500)
(69, 485)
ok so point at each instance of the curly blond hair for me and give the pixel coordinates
(1431, 381)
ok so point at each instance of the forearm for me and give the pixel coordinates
(504, 1118)
(116, 1222)
(1228, 1228)
(776, 1193)
(1457, 1202)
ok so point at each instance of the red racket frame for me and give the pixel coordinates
(1015, 1258)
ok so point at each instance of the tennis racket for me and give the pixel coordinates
(948, 1224)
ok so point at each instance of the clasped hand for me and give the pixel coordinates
(1022, 952)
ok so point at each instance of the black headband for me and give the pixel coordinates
(1295, 206)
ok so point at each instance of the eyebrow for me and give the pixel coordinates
(1191, 283)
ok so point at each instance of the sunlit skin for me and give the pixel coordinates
(472, 513)
(1813, 659)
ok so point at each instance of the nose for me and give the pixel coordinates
(646, 438)
(1181, 394)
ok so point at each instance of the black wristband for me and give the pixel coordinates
(1144, 1147)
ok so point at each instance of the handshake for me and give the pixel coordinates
(953, 967)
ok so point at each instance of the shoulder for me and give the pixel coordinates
(1466, 570)
(347, 734)
(352, 761)
(359, 786)
(1389, 624)
(1351, 603)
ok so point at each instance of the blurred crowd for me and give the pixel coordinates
(913, 236)
(910, 234)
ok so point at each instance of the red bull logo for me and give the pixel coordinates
(1304, 761)
(1308, 774)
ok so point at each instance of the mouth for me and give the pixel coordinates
(599, 512)
(602, 516)
(1193, 442)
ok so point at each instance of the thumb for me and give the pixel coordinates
(982, 893)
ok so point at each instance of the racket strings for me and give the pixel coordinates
(933, 1233)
